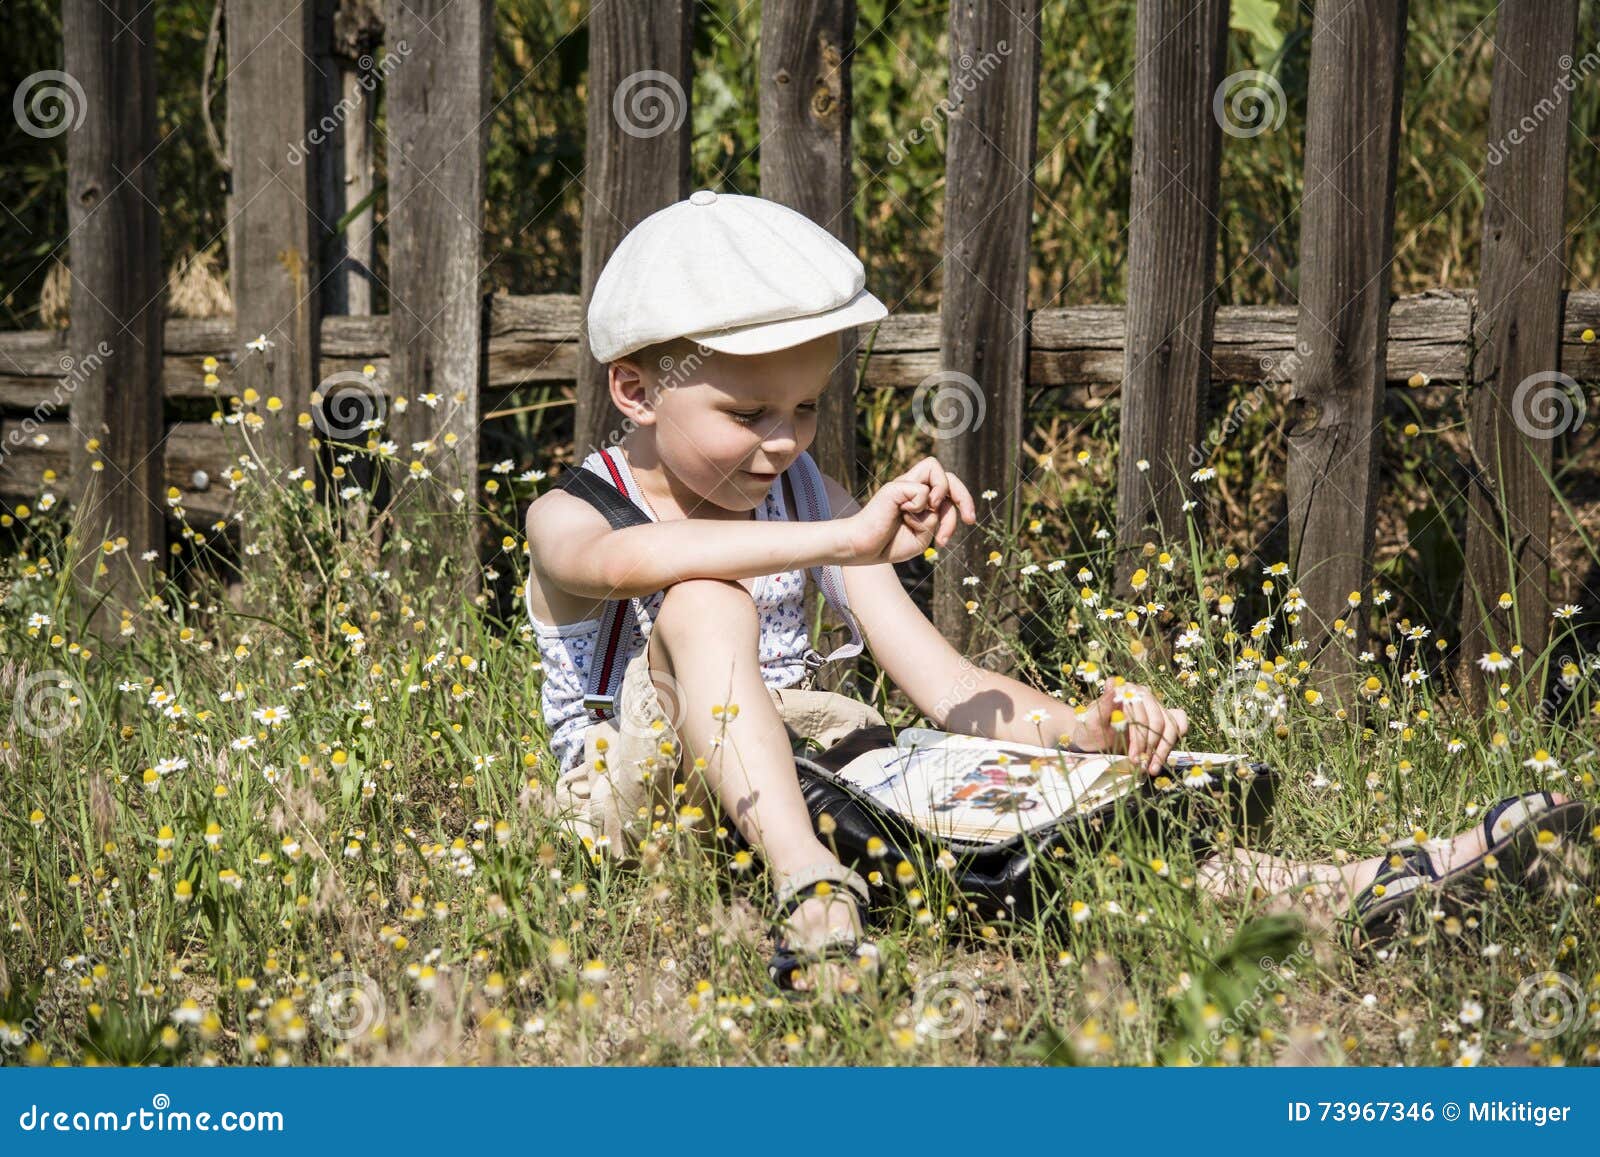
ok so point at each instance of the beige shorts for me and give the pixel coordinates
(629, 785)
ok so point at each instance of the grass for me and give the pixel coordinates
(294, 820)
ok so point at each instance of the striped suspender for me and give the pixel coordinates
(616, 627)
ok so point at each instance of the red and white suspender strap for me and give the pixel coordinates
(616, 621)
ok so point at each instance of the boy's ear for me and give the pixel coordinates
(630, 391)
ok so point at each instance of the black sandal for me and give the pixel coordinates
(1529, 827)
(819, 880)
(1521, 833)
(1506, 816)
(1382, 906)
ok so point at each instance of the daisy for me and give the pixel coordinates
(271, 716)
(1541, 761)
(1494, 661)
(176, 763)
(1565, 611)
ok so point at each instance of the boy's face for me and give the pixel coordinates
(725, 426)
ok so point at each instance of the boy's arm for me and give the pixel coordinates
(950, 689)
(578, 550)
(958, 695)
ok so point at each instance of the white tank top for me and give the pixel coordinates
(566, 650)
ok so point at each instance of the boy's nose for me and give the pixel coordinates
(780, 442)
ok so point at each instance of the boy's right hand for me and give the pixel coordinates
(906, 515)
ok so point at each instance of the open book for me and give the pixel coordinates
(977, 790)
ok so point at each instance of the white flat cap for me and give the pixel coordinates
(740, 275)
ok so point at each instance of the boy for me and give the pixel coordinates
(717, 318)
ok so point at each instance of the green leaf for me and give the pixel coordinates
(1259, 19)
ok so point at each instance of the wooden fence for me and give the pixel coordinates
(302, 163)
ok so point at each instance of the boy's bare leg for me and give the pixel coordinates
(1334, 883)
(706, 638)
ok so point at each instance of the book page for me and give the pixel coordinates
(985, 792)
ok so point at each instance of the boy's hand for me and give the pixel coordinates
(906, 515)
(1128, 718)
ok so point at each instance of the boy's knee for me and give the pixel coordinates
(701, 602)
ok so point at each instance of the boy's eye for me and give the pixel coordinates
(747, 418)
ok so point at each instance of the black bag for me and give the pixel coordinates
(1000, 878)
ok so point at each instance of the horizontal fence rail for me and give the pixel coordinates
(533, 342)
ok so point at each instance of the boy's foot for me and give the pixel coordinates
(821, 929)
(1247, 870)
(817, 922)
(1268, 875)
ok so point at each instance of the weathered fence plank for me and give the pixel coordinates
(349, 34)
(272, 231)
(973, 403)
(1347, 218)
(1172, 244)
(636, 156)
(806, 164)
(438, 129)
(1519, 401)
(113, 384)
